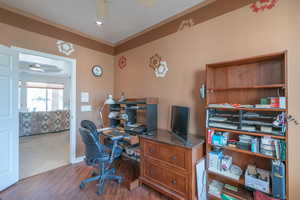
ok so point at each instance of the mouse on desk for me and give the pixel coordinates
(149, 133)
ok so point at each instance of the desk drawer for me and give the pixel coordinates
(176, 182)
(153, 171)
(151, 149)
(166, 177)
(171, 154)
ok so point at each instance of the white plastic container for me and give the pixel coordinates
(261, 185)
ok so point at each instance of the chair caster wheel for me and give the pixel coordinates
(120, 180)
(82, 186)
(99, 192)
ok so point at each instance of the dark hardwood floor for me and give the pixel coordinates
(63, 184)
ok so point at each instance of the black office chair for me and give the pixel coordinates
(87, 124)
(96, 155)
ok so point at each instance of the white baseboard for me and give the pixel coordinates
(78, 160)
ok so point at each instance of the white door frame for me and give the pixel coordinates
(73, 117)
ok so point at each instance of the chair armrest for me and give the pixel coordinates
(112, 137)
(117, 138)
(106, 129)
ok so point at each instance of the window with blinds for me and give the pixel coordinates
(44, 96)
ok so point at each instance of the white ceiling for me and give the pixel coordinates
(46, 66)
(125, 17)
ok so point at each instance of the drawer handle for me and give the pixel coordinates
(151, 150)
(174, 158)
(174, 182)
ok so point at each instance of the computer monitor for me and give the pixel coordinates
(180, 121)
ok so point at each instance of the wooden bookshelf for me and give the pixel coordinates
(245, 82)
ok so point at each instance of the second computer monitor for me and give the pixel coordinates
(180, 121)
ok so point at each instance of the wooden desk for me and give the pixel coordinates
(168, 165)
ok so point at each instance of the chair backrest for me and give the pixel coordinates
(87, 124)
(93, 148)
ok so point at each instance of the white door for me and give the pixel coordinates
(9, 119)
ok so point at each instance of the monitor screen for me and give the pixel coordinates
(180, 121)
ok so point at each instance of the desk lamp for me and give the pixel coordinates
(109, 101)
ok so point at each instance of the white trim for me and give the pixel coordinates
(39, 53)
(72, 155)
(78, 160)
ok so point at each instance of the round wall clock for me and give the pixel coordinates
(97, 71)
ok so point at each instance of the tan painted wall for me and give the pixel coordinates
(238, 34)
(294, 97)
(86, 58)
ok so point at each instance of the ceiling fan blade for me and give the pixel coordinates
(148, 3)
(101, 7)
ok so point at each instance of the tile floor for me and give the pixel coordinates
(41, 153)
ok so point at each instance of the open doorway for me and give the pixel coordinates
(47, 91)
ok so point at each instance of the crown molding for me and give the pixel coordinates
(185, 12)
(26, 21)
(200, 15)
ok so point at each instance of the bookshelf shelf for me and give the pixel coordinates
(249, 109)
(241, 194)
(247, 152)
(213, 197)
(273, 86)
(250, 133)
(241, 181)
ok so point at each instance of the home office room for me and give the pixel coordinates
(168, 99)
